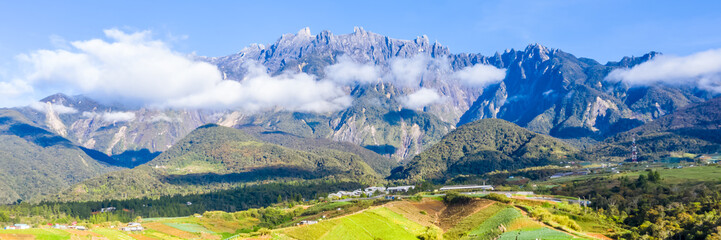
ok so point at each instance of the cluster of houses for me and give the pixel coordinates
(73, 226)
(55, 226)
(132, 227)
(17, 226)
(370, 191)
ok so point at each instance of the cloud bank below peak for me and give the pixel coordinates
(134, 69)
(702, 70)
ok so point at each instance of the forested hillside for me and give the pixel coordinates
(481, 147)
(36, 162)
(213, 158)
(695, 129)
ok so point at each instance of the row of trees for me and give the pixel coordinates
(171, 206)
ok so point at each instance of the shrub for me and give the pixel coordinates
(455, 198)
(565, 221)
(498, 197)
(429, 234)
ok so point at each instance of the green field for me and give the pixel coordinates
(537, 233)
(189, 227)
(378, 223)
(49, 234)
(684, 175)
(490, 227)
(112, 234)
(471, 222)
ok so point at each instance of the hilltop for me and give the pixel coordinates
(484, 146)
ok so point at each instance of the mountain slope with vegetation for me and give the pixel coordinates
(695, 129)
(36, 162)
(381, 164)
(484, 146)
(212, 158)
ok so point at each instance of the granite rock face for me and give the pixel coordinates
(545, 90)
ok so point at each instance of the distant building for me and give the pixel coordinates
(107, 209)
(307, 222)
(58, 226)
(399, 189)
(132, 227)
(374, 189)
(565, 174)
(78, 227)
(467, 187)
(17, 226)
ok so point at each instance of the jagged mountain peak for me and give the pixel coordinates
(633, 60)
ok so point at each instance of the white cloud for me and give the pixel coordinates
(348, 71)
(258, 90)
(421, 98)
(408, 71)
(134, 69)
(480, 75)
(164, 118)
(111, 117)
(701, 69)
(46, 106)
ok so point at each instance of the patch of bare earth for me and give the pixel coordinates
(453, 214)
(9, 236)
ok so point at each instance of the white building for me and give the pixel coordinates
(374, 189)
(467, 187)
(399, 189)
(133, 226)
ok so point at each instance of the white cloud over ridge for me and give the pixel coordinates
(259, 90)
(407, 72)
(480, 75)
(702, 69)
(111, 117)
(347, 71)
(46, 107)
(134, 69)
(421, 98)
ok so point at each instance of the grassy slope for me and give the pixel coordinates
(378, 223)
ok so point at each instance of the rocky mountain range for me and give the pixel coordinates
(544, 90)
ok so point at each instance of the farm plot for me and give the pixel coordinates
(537, 233)
(378, 223)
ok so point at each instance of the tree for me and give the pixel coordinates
(4, 217)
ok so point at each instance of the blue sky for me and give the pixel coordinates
(603, 30)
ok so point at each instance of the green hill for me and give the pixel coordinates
(695, 129)
(35, 162)
(381, 164)
(213, 158)
(481, 147)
